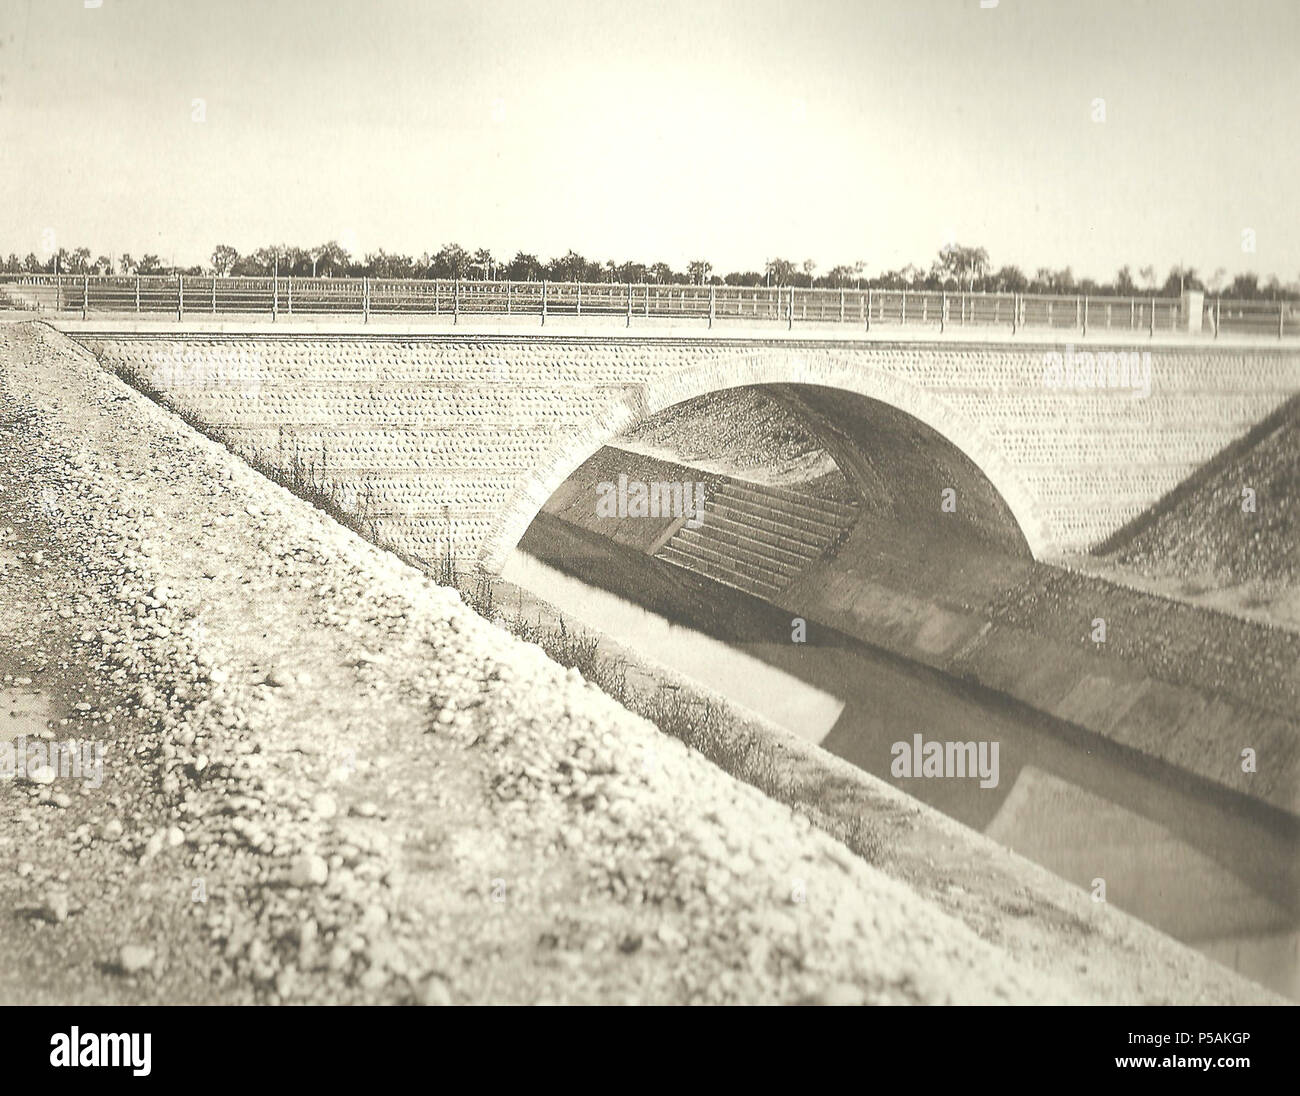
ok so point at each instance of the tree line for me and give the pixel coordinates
(956, 267)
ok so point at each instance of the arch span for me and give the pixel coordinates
(636, 402)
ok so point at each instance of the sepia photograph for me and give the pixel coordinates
(728, 503)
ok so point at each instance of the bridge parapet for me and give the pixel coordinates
(365, 299)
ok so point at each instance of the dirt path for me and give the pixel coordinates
(325, 779)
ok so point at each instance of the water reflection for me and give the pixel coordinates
(1210, 869)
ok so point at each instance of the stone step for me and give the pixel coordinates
(744, 538)
(709, 570)
(765, 518)
(726, 554)
(836, 513)
(731, 527)
(779, 509)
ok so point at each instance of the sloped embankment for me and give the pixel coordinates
(1229, 536)
(328, 780)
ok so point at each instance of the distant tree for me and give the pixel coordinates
(379, 264)
(1010, 279)
(247, 266)
(1180, 278)
(484, 263)
(632, 273)
(698, 270)
(224, 258)
(451, 261)
(524, 268)
(1148, 276)
(571, 267)
(265, 260)
(1244, 286)
(1124, 284)
(102, 265)
(843, 276)
(31, 264)
(330, 260)
(780, 271)
(960, 265)
(661, 273)
(150, 264)
(294, 260)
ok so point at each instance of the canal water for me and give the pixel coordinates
(1209, 869)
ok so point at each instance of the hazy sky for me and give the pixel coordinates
(838, 131)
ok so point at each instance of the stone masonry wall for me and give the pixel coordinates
(461, 439)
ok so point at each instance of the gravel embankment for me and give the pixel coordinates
(326, 779)
(1229, 538)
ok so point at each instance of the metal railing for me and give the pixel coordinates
(287, 296)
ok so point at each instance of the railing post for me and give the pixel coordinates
(275, 295)
(1281, 317)
(289, 290)
(507, 298)
(789, 311)
(543, 302)
(365, 299)
(1153, 317)
(1132, 314)
(137, 293)
(1217, 301)
(455, 314)
(903, 309)
(646, 313)
(841, 304)
(943, 311)
(214, 294)
(868, 309)
(1085, 315)
(629, 305)
(1015, 311)
(85, 295)
(712, 305)
(579, 285)
(180, 295)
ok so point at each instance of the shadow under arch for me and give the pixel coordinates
(763, 367)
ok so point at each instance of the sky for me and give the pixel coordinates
(841, 131)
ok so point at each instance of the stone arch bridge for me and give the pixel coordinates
(455, 441)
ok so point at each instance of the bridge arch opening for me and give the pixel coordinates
(914, 462)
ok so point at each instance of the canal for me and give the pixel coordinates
(1212, 870)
